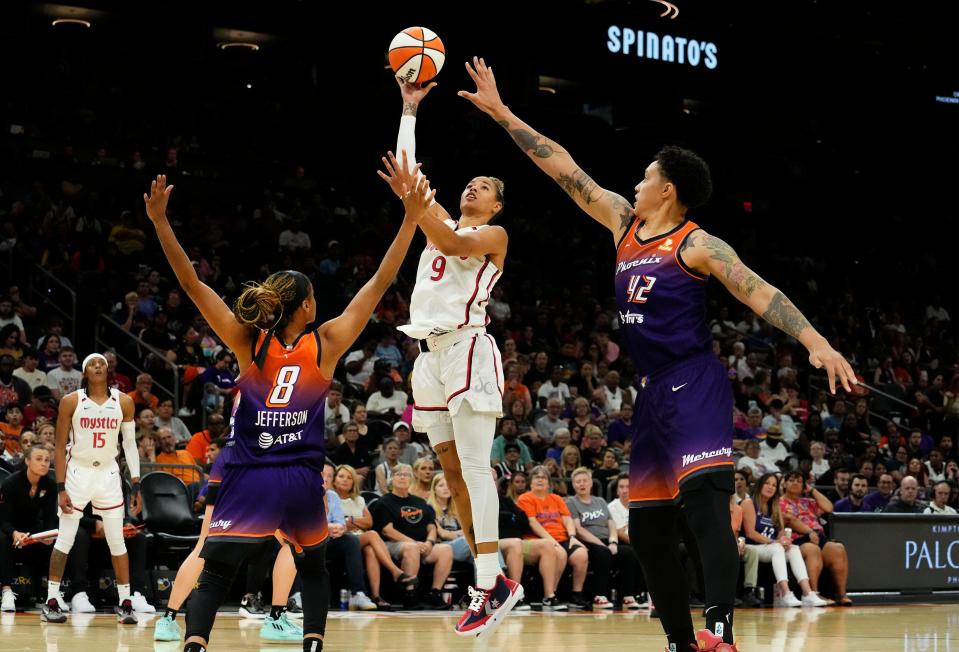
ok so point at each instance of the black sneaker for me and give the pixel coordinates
(434, 600)
(522, 605)
(293, 609)
(52, 613)
(553, 604)
(751, 600)
(125, 615)
(251, 606)
(410, 601)
(578, 601)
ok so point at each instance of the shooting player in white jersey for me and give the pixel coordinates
(89, 425)
(458, 376)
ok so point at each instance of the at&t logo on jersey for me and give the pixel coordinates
(266, 439)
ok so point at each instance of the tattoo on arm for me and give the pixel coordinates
(782, 314)
(745, 279)
(580, 183)
(531, 142)
(409, 108)
(624, 208)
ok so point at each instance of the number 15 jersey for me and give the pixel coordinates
(451, 292)
(95, 429)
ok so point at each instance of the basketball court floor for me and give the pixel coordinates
(911, 628)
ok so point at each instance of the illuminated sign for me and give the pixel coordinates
(667, 48)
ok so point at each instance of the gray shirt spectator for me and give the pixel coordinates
(547, 425)
(594, 515)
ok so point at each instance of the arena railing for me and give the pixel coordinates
(106, 323)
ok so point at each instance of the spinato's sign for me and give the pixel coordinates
(670, 49)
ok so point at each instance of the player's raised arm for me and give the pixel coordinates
(235, 335)
(710, 255)
(339, 334)
(606, 207)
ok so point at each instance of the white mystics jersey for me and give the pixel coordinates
(96, 429)
(451, 292)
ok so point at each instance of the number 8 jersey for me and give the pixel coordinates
(278, 412)
(451, 292)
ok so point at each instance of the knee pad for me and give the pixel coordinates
(113, 531)
(67, 535)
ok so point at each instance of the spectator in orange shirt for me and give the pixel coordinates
(200, 441)
(142, 394)
(170, 455)
(549, 518)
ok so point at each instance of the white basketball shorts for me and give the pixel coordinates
(99, 485)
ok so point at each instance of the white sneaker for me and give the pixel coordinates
(630, 603)
(81, 604)
(360, 602)
(9, 603)
(786, 600)
(141, 605)
(600, 602)
(812, 599)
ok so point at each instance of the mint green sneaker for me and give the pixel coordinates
(166, 629)
(280, 629)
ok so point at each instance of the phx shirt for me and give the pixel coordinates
(661, 302)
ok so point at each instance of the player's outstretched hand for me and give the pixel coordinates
(156, 200)
(486, 98)
(400, 177)
(413, 93)
(418, 199)
(825, 357)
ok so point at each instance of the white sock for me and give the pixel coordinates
(53, 590)
(6, 590)
(123, 590)
(487, 570)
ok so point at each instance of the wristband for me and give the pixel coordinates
(61, 486)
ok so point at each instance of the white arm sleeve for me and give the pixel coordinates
(406, 139)
(130, 451)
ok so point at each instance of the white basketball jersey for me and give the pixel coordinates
(451, 292)
(96, 429)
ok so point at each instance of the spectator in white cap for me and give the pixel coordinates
(409, 451)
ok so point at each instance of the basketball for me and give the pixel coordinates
(417, 54)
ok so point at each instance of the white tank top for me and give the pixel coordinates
(96, 429)
(451, 292)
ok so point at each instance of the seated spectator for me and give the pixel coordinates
(940, 499)
(549, 518)
(908, 501)
(336, 414)
(11, 427)
(583, 415)
(40, 407)
(593, 444)
(28, 371)
(12, 389)
(146, 445)
(753, 429)
(385, 469)
(343, 548)
(817, 450)
(741, 486)
(46, 433)
(142, 394)
(572, 459)
(877, 500)
(552, 422)
(584, 382)
(621, 429)
(49, 352)
(748, 554)
(359, 521)
(200, 441)
(632, 588)
(772, 447)
(509, 435)
(220, 375)
(917, 469)
(448, 525)
(409, 451)
(360, 417)
(359, 364)
(353, 451)
(557, 481)
(855, 501)
(408, 525)
(777, 417)
(510, 463)
(166, 419)
(28, 505)
(554, 387)
(64, 379)
(514, 390)
(423, 470)
(608, 469)
(597, 530)
(170, 455)
(840, 480)
(560, 442)
(388, 403)
(764, 530)
(116, 380)
(801, 513)
(936, 466)
(518, 410)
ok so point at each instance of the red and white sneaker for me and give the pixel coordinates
(709, 642)
(488, 607)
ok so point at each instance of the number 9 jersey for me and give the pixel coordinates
(278, 412)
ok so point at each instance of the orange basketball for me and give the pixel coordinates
(417, 54)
